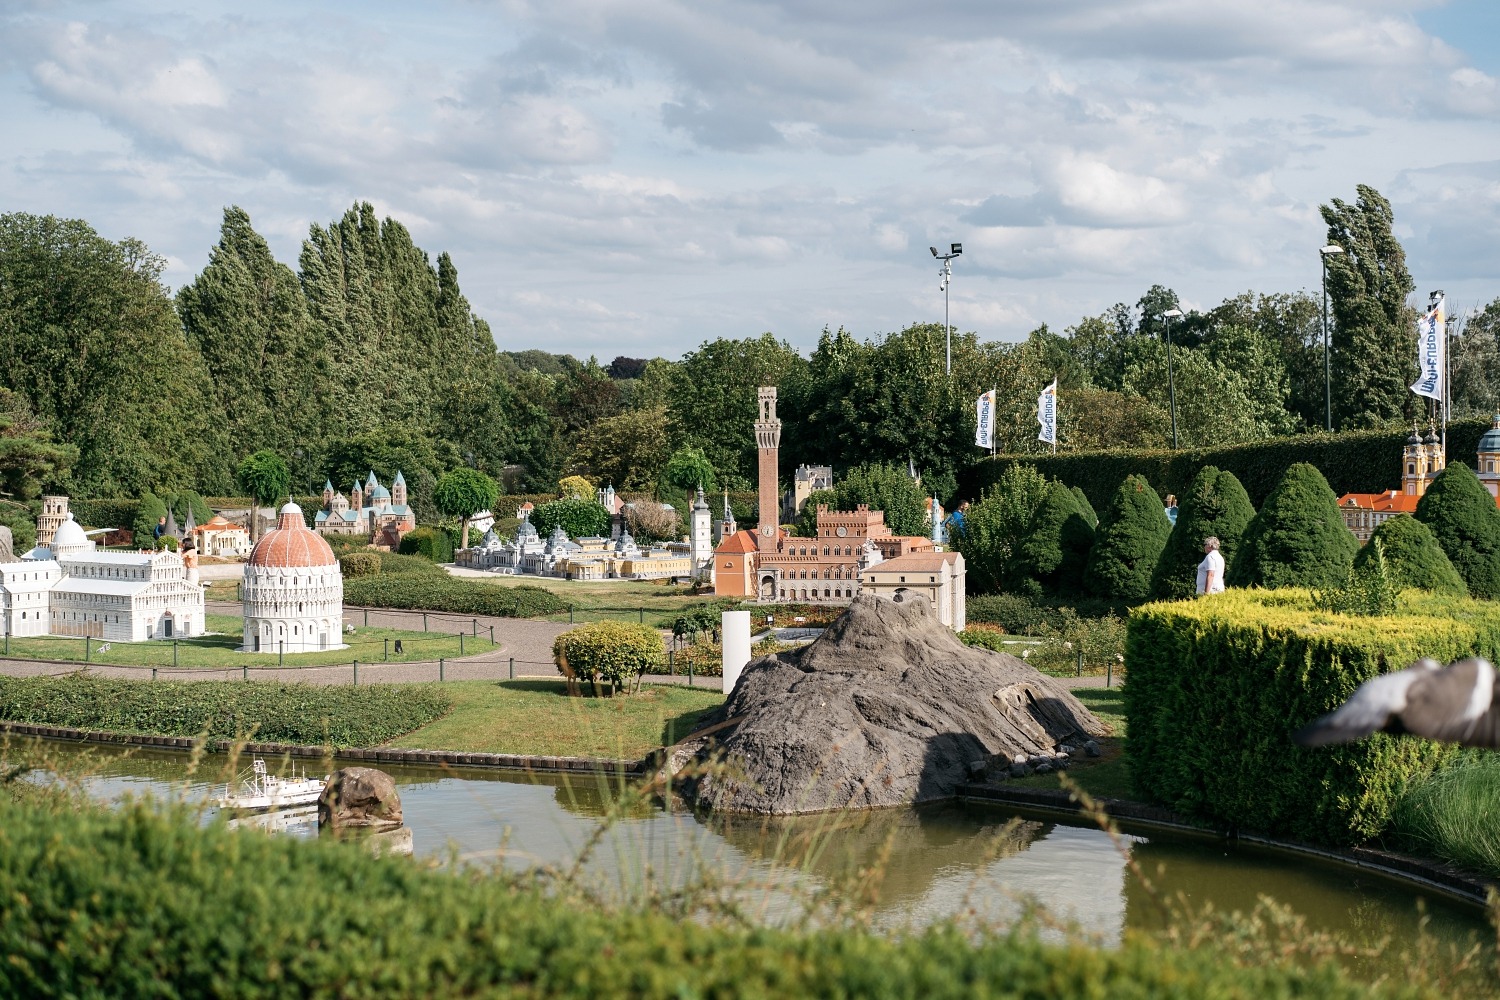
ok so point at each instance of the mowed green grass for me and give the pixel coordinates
(368, 645)
(539, 718)
(1106, 776)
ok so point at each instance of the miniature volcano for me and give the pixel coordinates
(886, 708)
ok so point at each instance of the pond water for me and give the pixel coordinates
(939, 861)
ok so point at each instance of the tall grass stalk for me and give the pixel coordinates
(1454, 813)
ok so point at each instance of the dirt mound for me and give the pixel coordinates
(886, 708)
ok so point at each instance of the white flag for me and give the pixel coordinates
(984, 431)
(1430, 349)
(1046, 414)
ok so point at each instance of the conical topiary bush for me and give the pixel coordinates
(1056, 549)
(1215, 504)
(1128, 542)
(1413, 557)
(1084, 506)
(1462, 516)
(1298, 539)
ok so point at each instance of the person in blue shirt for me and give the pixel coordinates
(1171, 509)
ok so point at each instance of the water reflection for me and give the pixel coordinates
(932, 862)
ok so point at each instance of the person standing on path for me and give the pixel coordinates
(1211, 569)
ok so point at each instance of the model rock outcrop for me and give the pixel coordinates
(886, 708)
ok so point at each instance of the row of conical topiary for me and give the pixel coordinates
(1297, 539)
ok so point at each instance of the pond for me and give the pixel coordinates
(938, 860)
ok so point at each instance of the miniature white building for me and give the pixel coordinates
(594, 558)
(221, 537)
(294, 590)
(700, 538)
(72, 588)
(937, 576)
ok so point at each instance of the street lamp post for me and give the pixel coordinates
(954, 250)
(1167, 318)
(1324, 253)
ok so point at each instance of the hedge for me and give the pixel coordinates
(360, 564)
(449, 595)
(1352, 462)
(1020, 615)
(144, 901)
(116, 513)
(305, 714)
(432, 544)
(1217, 685)
(609, 651)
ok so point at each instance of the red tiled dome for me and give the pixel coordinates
(292, 544)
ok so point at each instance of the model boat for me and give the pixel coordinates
(262, 791)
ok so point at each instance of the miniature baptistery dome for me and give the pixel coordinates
(293, 591)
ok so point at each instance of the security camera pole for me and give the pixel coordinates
(955, 250)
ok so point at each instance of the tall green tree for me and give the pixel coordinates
(1374, 331)
(997, 525)
(89, 339)
(247, 316)
(1463, 517)
(29, 458)
(1215, 504)
(628, 449)
(887, 488)
(463, 493)
(1128, 542)
(266, 479)
(1298, 539)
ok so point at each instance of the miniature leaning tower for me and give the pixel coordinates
(54, 513)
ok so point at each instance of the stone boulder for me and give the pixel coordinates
(359, 797)
(7, 546)
(886, 708)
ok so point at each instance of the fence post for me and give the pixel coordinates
(174, 653)
(492, 633)
(440, 669)
(387, 650)
(671, 666)
(512, 668)
(475, 622)
(85, 649)
(244, 671)
(460, 644)
(690, 674)
(640, 615)
(424, 621)
(356, 673)
(281, 652)
(1109, 672)
(570, 614)
(1080, 661)
(367, 617)
(153, 673)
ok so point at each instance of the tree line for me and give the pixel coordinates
(368, 356)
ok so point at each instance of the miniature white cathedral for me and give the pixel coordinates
(293, 592)
(68, 587)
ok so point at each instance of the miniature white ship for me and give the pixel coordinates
(262, 791)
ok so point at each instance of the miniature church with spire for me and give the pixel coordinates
(381, 515)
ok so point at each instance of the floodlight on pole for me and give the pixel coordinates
(1324, 253)
(1167, 318)
(954, 250)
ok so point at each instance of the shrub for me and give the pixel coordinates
(395, 564)
(432, 544)
(145, 901)
(148, 513)
(1298, 539)
(449, 595)
(22, 525)
(1217, 685)
(1086, 508)
(180, 503)
(984, 638)
(1128, 542)
(1463, 518)
(1413, 557)
(360, 564)
(305, 714)
(580, 518)
(1215, 504)
(1055, 552)
(608, 651)
(996, 527)
(1451, 814)
(1368, 590)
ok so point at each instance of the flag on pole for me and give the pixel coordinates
(1046, 414)
(984, 432)
(1430, 350)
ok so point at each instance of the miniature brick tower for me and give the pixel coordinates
(398, 490)
(768, 441)
(356, 498)
(327, 494)
(54, 513)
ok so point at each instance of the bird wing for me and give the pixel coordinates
(1455, 705)
(1368, 710)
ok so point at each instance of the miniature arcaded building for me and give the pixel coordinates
(294, 590)
(69, 587)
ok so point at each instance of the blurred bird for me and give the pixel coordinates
(1454, 704)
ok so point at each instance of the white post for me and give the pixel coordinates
(735, 626)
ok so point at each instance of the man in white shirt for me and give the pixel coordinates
(1211, 569)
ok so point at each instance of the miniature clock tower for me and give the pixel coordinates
(768, 442)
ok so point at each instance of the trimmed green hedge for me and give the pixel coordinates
(1353, 462)
(1020, 615)
(1216, 686)
(413, 593)
(305, 714)
(359, 564)
(609, 651)
(116, 513)
(141, 901)
(432, 544)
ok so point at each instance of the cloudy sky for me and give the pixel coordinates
(635, 176)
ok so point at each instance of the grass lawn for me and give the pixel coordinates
(368, 645)
(1108, 775)
(595, 600)
(538, 717)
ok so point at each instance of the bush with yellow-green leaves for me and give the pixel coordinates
(608, 651)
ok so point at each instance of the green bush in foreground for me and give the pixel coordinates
(444, 593)
(304, 714)
(1216, 687)
(132, 903)
(616, 652)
